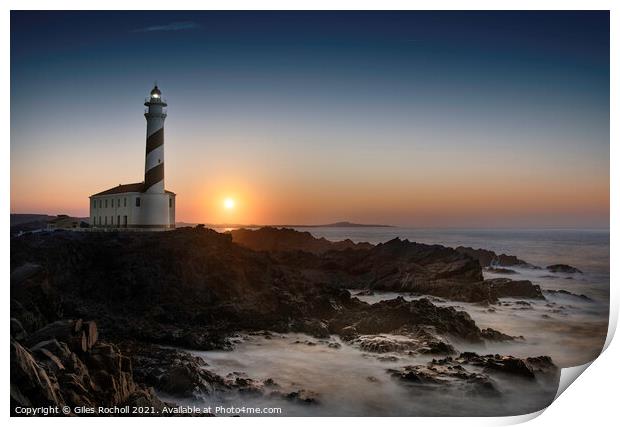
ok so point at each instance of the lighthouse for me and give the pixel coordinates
(154, 164)
(146, 204)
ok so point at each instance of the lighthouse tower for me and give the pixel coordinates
(146, 204)
(154, 164)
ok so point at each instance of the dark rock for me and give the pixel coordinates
(493, 335)
(274, 239)
(55, 373)
(348, 333)
(449, 375)
(17, 330)
(313, 327)
(34, 302)
(303, 396)
(488, 258)
(173, 371)
(382, 344)
(31, 386)
(564, 292)
(398, 314)
(526, 368)
(563, 268)
(500, 270)
(506, 288)
(71, 332)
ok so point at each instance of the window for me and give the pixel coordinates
(137, 202)
(93, 222)
(125, 202)
(118, 218)
(118, 203)
(106, 220)
(99, 220)
(106, 203)
(170, 202)
(94, 204)
(99, 203)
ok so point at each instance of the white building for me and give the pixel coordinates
(145, 204)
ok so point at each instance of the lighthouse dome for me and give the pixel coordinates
(155, 93)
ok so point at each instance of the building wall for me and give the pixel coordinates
(155, 210)
(151, 211)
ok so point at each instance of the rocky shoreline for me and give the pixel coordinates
(193, 288)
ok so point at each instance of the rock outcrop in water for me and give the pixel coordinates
(488, 258)
(400, 315)
(471, 373)
(563, 268)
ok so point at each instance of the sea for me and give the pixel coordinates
(569, 327)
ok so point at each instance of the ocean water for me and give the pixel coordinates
(347, 381)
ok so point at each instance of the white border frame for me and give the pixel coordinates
(592, 399)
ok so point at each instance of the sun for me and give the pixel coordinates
(229, 203)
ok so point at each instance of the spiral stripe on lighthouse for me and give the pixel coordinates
(154, 170)
(155, 140)
(154, 176)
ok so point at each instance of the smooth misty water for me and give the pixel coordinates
(348, 381)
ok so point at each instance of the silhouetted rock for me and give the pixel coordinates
(526, 368)
(506, 288)
(567, 293)
(500, 270)
(472, 373)
(451, 376)
(34, 301)
(488, 258)
(493, 335)
(287, 239)
(172, 371)
(401, 315)
(563, 268)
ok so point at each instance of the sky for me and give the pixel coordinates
(423, 119)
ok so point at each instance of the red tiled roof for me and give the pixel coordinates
(137, 187)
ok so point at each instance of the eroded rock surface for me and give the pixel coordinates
(56, 373)
(473, 373)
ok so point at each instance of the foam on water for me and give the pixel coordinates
(349, 382)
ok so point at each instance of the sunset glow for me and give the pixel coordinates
(448, 130)
(229, 203)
